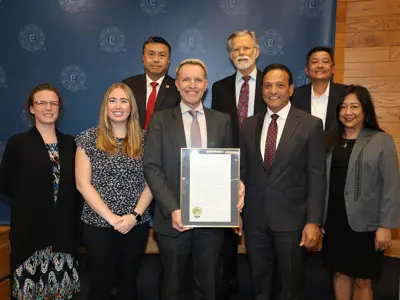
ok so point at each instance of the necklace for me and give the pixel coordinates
(346, 142)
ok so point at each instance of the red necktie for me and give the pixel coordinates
(243, 103)
(150, 104)
(270, 144)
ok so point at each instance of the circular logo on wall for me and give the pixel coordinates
(233, 7)
(191, 41)
(32, 38)
(72, 6)
(112, 39)
(3, 77)
(302, 79)
(312, 8)
(26, 118)
(271, 42)
(153, 7)
(73, 78)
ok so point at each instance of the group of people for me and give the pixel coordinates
(314, 162)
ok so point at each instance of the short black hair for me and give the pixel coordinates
(326, 49)
(279, 67)
(157, 40)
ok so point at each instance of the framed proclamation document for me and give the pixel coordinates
(210, 187)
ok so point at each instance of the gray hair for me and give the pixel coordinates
(243, 32)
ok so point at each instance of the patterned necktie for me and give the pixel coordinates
(195, 135)
(150, 104)
(243, 103)
(270, 144)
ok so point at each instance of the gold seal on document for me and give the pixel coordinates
(197, 211)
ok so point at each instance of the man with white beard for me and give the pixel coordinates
(240, 96)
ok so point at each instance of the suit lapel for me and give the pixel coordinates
(140, 96)
(162, 93)
(231, 98)
(259, 104)
(212, 137)
(258, 132)
(363, 137)
(333, 99)
(288, 130)
(178, 126)
(307, 95)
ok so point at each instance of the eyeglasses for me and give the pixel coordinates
(43, 103)
(279, 86)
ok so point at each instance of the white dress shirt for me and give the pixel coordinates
(252, 89)
(149, 88)
(187, 122)
(319, 105)
(283, 114)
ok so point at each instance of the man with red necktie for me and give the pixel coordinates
(239, 95)
(154, 90)
(283, 169)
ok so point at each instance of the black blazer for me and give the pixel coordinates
(167, 97)
(292, 192)
(164, 140)
(224, 100)
(26, 177)
(302, 100)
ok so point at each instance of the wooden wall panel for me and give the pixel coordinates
(367, 54)
(361, 24)
(373, 38)
(375, 69)
(372, 8)
(382, 84)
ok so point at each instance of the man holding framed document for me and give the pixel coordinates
(187, 125)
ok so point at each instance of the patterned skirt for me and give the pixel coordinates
(46, 276)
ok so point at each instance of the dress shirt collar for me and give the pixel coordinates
(148, 81)
(283, 113)
(326, 93)
(185, 108)
(253, 76)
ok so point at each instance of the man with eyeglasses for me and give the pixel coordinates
(154, 90)
(239, 95)
(282, 159)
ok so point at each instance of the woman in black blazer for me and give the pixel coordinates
(37, 174)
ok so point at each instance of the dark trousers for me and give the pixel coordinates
(229, 260)
(114, 258)
(270, 251)
(203, 245)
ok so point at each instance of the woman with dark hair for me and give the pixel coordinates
(362, 203)
(109, 175)
(37, 174)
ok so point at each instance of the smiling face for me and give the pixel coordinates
(45, 108)
(351, 113)
(118, 106)
(191, 83)
(244, 53)
(320, 66)
(276, 89)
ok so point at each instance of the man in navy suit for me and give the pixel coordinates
(321, 96)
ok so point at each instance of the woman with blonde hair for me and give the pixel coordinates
(109, 175)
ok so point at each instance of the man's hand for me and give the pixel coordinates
(241, 196)
(383, 238)
(126, 224)
(239, 230)
(177, 221)
(310, 235)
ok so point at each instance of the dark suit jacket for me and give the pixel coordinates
(165, 138)
(167, 97)
(26, 177)
(292, 192)
(302, 100)
(224, 100)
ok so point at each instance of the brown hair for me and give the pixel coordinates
(39, 88)
(132, 144)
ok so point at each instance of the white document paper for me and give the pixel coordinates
(210, 187)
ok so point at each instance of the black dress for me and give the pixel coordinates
(345, 250)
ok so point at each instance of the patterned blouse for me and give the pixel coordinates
(118, 179)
